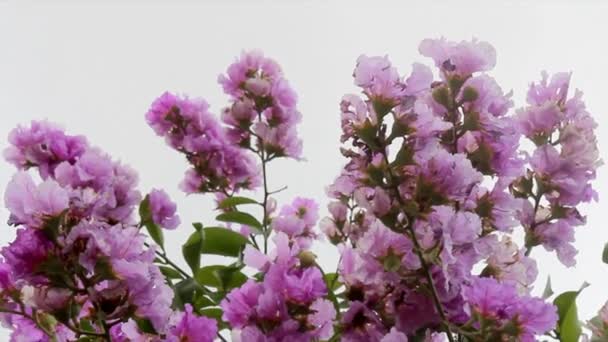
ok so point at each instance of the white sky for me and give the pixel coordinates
(96, 68)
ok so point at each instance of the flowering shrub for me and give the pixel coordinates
(423, 213)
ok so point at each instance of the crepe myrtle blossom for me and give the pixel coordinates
(426, 214)
(216, 164)
(163, 209)
(563, 165)
(522, 317)
(263, 111)
(287, 304)
(43, 145)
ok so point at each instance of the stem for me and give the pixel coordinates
(26, 315)
(262, 154)
(330, 291)
(537, 197)
(165, 260)
(418, 249)
(265, 201)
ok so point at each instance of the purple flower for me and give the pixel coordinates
(188, 127)
(462, 58)
(451, 175)
(394, 336)
(263, 105)
(43, 145)
(297, 220)
(252, 62)
(361, 324)
(191, 328)
(500, 303)
(379, 79)
(163, 209)
(26, 253)
(31, 204)
(558, 237)
(239, 304)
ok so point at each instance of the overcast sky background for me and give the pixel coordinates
(96, 68)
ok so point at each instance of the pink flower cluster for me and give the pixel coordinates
(263, 105)
(425, 215)
(414, 210)
(79, 254)
(288, 304)
(188, 127)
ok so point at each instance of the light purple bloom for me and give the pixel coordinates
(163, 209)
(188, 127)
(462, 58)
(31, 204)
(191, 328)
(43, 145)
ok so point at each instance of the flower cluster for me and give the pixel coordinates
(188, 127)
(561, 167)
(287, 304)
(425, 215)
(263, 105)
(79, 254)
(414, 210)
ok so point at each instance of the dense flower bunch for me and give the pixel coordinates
(425, 214)
(79, 266)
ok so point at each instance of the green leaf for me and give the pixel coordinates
(186, 292)
(212, 313)
(222, 241)
(605, 254)
(193, 248)
(234, 201)
(154, 230)
(202, 301)
(240, 217)
(145, 325)
(220, 276)
(367, 133)
(331, 279)
(548, 292)
(568, 327)
(170, 273)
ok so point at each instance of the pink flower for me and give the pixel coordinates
(189, 327)
(163, 209)
(462, 58)
(31, 204)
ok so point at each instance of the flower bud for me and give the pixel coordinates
(307, 258)
(258, 86)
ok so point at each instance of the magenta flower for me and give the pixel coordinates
(163, 209)
(191, 328)
(188, 127)
(43, 145)
(500, 303)
(263, 105)
(30, 204)
(462, 58)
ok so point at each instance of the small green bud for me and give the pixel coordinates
(469, 94)
(307, 258)
(441, 95)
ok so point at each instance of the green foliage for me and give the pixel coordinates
(193, 248)
(170, 273)
(221, 277)
(222, 241)
(568, 326)
(241, 218)
(233, 201)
